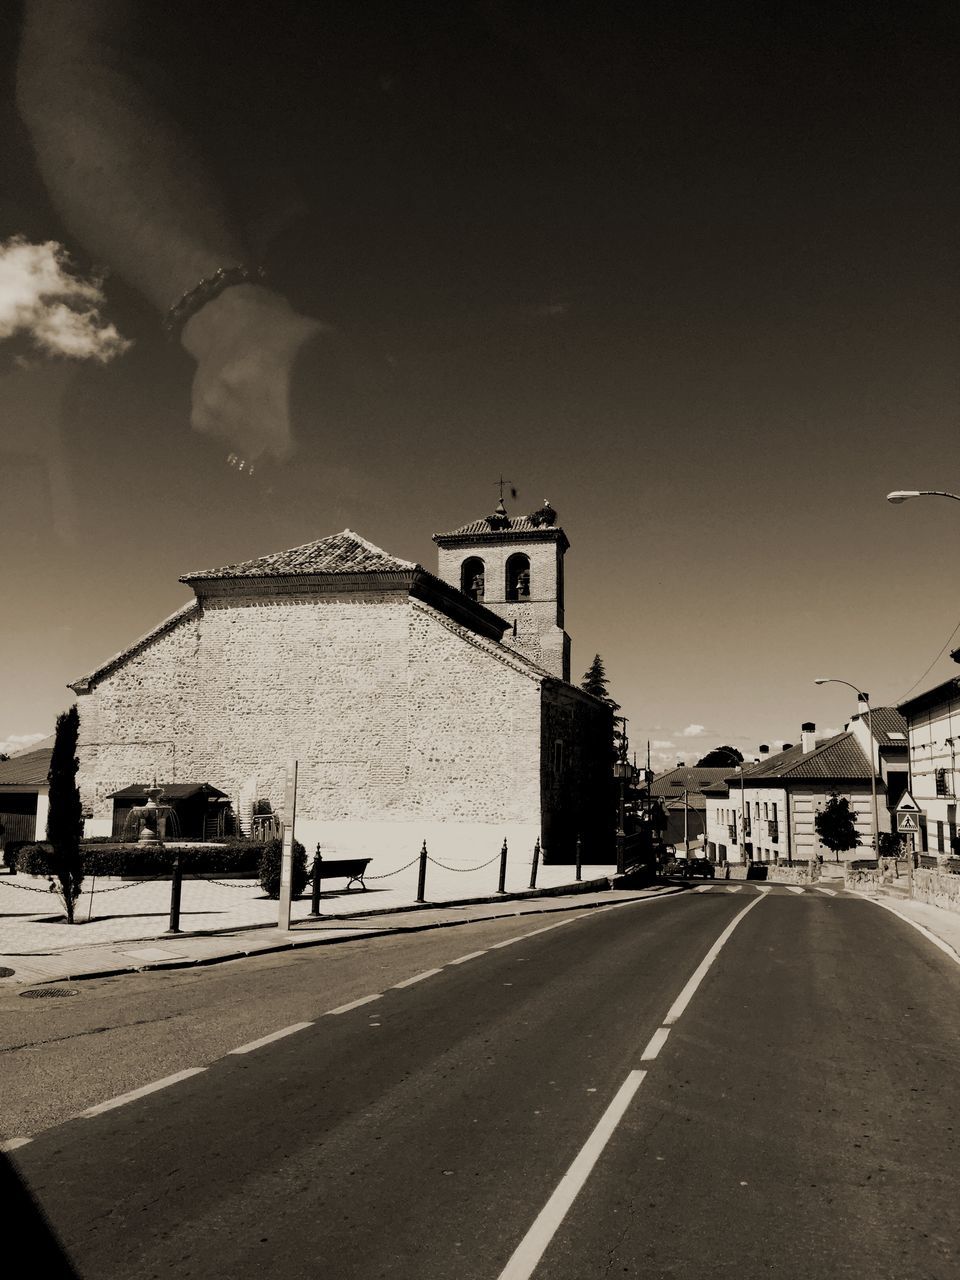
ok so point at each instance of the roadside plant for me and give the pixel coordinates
(270, 869)
(65, 817)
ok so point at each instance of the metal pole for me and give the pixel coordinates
(686, 835)
(579, 857)
(743, 825)
(317, 875)
(502, 884)
(422, 877)
(873, 784)
(535, 864)
(286, 849)
(175, 886)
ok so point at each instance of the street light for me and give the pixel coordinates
(743, 821)
(865, 699)
(903, 495)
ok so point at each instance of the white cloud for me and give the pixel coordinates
(43, 298)
(658, 744)
(18, 742)
(693, 731)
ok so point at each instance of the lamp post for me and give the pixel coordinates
(865, 699)
(904, 495)
(743, 826)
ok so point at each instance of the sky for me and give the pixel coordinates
(696, 286)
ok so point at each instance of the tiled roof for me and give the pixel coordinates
(885, 721)
(944, 692)
(82, 685)
(29, 769)
(840, 757)
(344, 552)
(694, 779)
(516, 524)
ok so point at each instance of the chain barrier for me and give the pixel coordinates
(28, 888)
(248, 884)
(386, 875)
(495, 858)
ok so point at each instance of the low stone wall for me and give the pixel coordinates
(939, 888)
(799, 874)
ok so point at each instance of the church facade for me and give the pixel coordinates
(415, 709)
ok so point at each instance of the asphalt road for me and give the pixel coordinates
(520, 1112)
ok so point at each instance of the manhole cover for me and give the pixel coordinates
(5, 972)
(36, 992)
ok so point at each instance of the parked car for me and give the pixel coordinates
(698, 867)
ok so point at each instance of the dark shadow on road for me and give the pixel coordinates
(30, 1231)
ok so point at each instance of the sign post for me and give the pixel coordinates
(908, 824)
(286, 854)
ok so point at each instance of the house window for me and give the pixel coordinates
(939, 837)
(944, 782)
(557, 757)
(518, 577)
(472, 578)
(766, 809)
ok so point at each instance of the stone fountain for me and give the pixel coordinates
(153, 822)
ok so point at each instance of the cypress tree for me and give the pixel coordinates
(65, 818)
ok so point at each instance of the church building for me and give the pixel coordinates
(418, 705)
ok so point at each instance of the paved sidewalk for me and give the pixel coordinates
(222, 919)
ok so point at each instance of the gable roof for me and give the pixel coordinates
(886, 721)
(345, 552)
(839, 758)
(29, 769)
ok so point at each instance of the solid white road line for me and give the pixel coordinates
(417, 977)
(532, 1247)
(795, 888)
(354, 1004)
(831, 893)
(657, 1041)
(12, 1144)
(945, 947)
(274, 1035)
(471, 955)
(142, 1092)
(686, 995)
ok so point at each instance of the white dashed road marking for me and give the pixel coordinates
(417, 977)
(703, 888)
(795, 888)
(275, 1035)
(471, 955)
(657, 1041)
(12, 1144)
(526, 1257)
(142, 1092)
(830, 892)
(354, 1004)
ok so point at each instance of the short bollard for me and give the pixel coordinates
(175, 886)
(315, 891)
(536, 864)
(579, 858)
(422, 877)
(502, 886)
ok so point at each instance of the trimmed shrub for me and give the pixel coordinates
(270, 869)
(237, 857)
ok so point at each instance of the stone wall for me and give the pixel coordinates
(398, 718)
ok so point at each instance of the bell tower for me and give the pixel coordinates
(514, 565)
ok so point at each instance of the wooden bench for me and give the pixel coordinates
(334, 868)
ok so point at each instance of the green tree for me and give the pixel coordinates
(836, 826)
(720, 758)
(595, 681)
(65, 817)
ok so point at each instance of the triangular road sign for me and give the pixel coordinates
(907, 804)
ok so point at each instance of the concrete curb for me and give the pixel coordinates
(293, 942)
